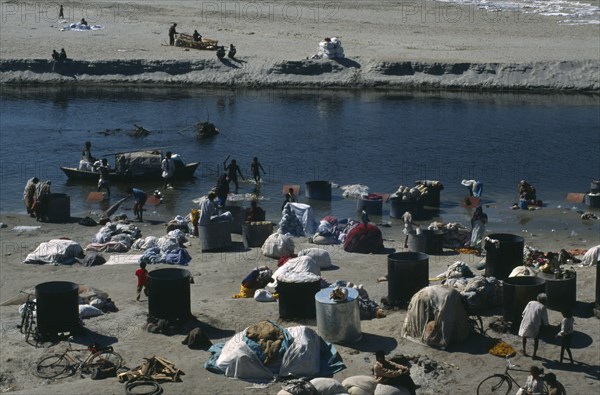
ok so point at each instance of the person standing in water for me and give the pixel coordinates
(256, 167)
(232, 172)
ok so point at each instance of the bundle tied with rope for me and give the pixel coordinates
(153, 370)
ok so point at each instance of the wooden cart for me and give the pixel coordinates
(187, 41)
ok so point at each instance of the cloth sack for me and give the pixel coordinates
(319, 255)
(278, 245)
(196, 339)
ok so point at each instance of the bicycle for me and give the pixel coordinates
(66, 364)
(501, 383)
(28, 321)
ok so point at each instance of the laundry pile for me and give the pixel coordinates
(331, 48)
(114, 237)
(409, 194)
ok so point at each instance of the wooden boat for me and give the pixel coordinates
(187, 41)
(138, 166)
(205, 130)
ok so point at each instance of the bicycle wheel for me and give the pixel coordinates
(51, 366)
(101, 358)
(495, 384)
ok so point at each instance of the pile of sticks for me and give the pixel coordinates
(154, 368)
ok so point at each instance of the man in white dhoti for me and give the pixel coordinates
(534, 316)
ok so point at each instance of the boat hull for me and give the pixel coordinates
(182, 173)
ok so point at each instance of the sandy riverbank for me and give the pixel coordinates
(217, 277)
(387, 45)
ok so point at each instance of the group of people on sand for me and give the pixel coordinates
(59, 56)
(197, 37)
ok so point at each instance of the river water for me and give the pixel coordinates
(379, 139)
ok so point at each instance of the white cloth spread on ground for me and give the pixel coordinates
(78, 27)
(56, 251)
(124, 259)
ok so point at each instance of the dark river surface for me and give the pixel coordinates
(379, 139)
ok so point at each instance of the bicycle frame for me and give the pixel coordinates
(510, 366)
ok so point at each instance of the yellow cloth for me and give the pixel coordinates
(244, 293)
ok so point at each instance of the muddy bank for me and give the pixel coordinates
(574, 76)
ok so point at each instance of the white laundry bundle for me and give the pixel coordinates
(331, 48)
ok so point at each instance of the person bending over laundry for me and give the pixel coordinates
(41, 200)
(139, 198)
(29, 195)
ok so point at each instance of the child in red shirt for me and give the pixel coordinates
(142, 275)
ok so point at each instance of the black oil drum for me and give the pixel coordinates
(169, 294)
(57, 308)
(255, 234)
(428, 241)
(239, 217)
(370, 206)
(517, 292)
(593, 200)
(398, 207)
(501, 260)
(408, 272)
(432, 198)
(318, 190)
(561, 292)
(297, 300)
(59, 208)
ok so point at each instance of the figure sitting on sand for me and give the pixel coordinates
(231, 52)
(63, 54)
(83, 22)
(221, 52)
(196, 36)
(392, 373)
(55, 55)
(527, 191)
(255, 213)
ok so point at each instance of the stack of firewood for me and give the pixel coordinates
(155, 368)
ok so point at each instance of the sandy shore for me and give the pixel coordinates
(217, 277)
(405, 44)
